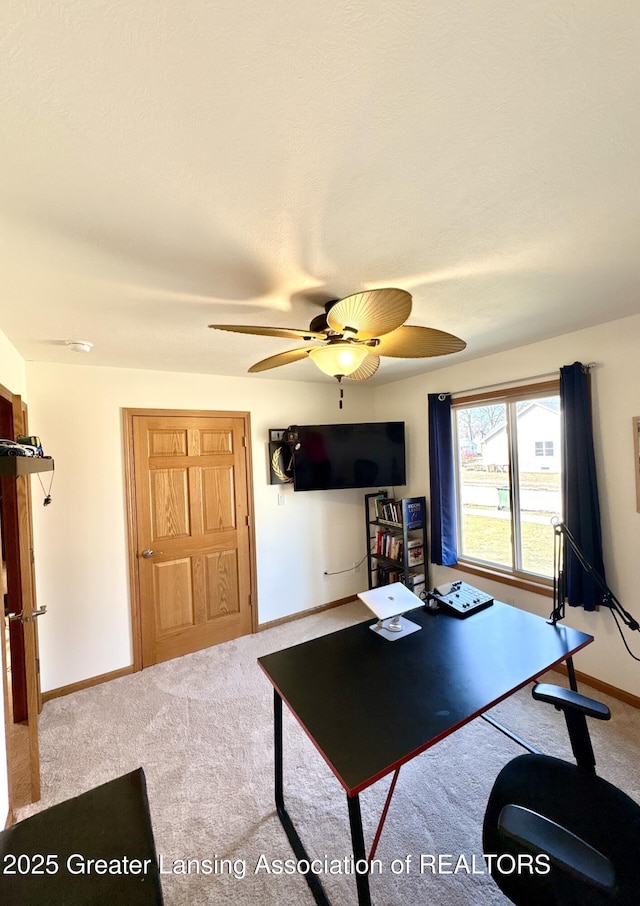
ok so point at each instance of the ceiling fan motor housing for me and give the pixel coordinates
(319, 323)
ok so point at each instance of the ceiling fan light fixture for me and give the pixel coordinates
(339, 359)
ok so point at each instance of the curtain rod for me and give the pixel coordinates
(533, 377)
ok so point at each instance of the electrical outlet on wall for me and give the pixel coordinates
(356, 566)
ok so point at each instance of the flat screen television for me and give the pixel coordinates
(364, 455)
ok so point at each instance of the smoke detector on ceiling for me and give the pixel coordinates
(80, 345)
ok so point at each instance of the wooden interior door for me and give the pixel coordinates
(192, 527)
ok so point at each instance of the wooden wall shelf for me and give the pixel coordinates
(24, 465)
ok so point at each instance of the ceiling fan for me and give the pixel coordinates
(353, 333)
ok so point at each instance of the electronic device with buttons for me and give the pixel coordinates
(460, 599)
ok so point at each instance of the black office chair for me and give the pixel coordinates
(557, 834)
(96, 848)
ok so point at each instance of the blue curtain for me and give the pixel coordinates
(580, 487)
(444, 545)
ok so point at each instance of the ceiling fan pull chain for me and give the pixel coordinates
(340, 398)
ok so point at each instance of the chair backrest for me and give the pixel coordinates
(557, 834)
(109, 825)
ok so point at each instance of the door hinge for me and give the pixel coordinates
(245, 442)
(38, 666)
(32, 555)
(248, 520)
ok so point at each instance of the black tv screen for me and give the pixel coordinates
(364, 455)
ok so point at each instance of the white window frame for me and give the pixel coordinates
(510, 397)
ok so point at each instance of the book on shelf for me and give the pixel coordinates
(414, 514)
(388, 545)
(388, 510)
(388, 574)
(418, 585)
(415, 552)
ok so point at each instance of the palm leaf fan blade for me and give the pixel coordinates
(418, 343)
(282, 358)
(366, 370)
(287, 333)
(370, 314)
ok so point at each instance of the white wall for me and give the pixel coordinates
(13, 377)
(12, 367)
(616, 399)
(80, 539)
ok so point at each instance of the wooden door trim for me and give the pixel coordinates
(24, 778)
(128, 416)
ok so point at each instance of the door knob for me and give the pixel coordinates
(147, 553)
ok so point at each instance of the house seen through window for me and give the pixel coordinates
(509, 479)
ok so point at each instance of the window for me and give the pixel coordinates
(544, 448)
(508, 481)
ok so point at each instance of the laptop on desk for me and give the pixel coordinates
(388, 603)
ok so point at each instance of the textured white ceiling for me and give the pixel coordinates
(168, 164)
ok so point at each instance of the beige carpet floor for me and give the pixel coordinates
(201, 726)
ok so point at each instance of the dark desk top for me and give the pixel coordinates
(370, 705)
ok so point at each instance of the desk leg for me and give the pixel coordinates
(571, 673)
(292, 834)
(359, 854)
